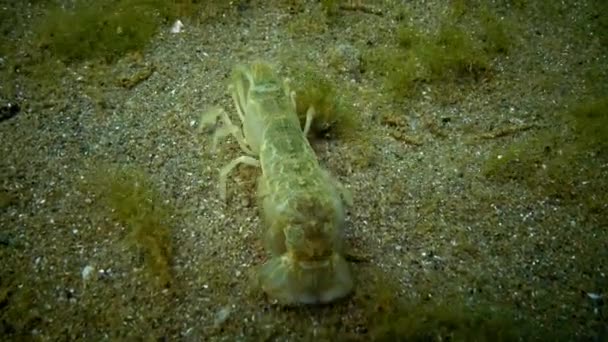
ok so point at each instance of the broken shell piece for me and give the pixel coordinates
(87, 271)
(222, 315)
(177, 26)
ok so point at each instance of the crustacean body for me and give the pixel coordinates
(302, 206)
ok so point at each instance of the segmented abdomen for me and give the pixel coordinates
(299, 194)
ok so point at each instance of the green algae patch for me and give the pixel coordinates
(496, 33)
(390, 317)
(18, 312)
(131, 199)
(590, 123)
(334, 116)
(448, 55)
(331, 114)
(422, 321)
(8, 198)
(560, 163)
(100, 29)
(460, 51)
(330, 7)
(108, 29)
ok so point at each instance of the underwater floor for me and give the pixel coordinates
(472, 135)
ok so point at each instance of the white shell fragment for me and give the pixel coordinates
(222, 315)
(177, 26)
(87, 271)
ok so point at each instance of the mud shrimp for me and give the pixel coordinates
(302, 206)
